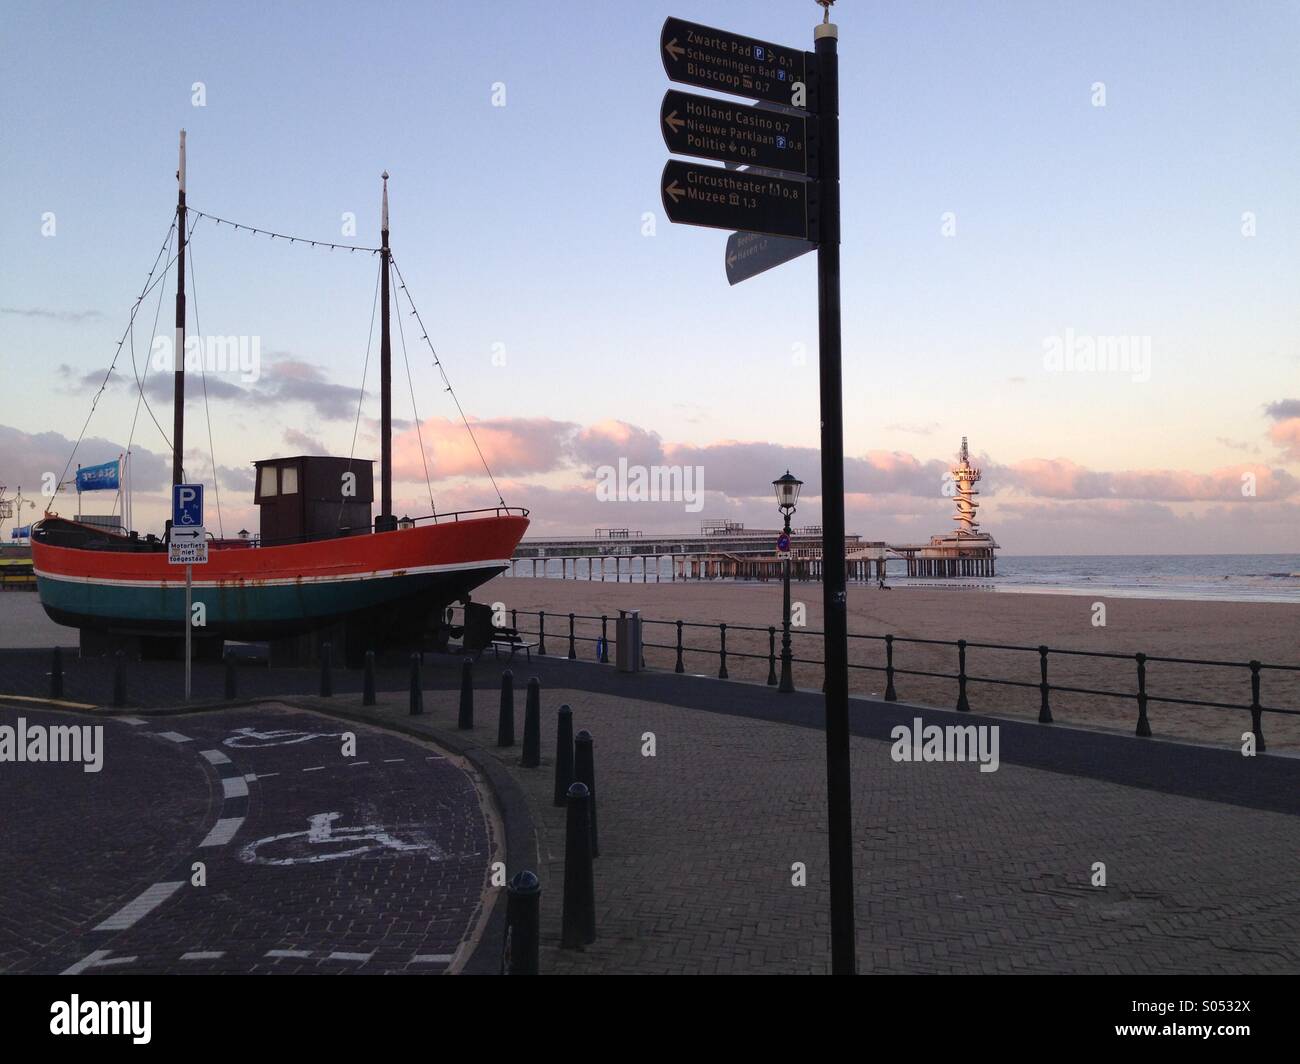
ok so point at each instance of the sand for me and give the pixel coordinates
(1217, 631)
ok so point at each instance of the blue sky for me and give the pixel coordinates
(520, 229)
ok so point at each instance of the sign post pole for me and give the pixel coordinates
(189, 576)
(834, 605)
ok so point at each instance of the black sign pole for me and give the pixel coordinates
(835, 608)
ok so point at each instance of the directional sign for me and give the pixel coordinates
(716, 129)
(188, 546)
(716, 59)
(187, 505)
(783, 543)
(749, 254)
(730, 199)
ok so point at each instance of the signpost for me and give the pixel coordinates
(765, 208)
(709, 128)
(737, 199)
(783, 543)
(187, 545)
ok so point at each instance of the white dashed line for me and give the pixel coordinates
(176, 737)
(204, 955)
(358, 764)
(253, 777)
(363, 957)
(432, 958)
(214, 757)
(393, 760)
(88, 961)
(234, 787)
(131, 912)
(314, 768)
(300, 953)
(435, 757)
(223, 831)
(134, 721)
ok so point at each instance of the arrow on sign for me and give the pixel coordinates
(674, 49)
(673, 122)
(177, 534)
(674, 191)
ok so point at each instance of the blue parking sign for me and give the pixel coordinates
(187, 505)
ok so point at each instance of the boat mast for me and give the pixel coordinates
(178, 352)
(385, 522)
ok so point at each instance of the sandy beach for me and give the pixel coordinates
(1207, 631)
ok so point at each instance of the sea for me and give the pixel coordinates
(1217, 577)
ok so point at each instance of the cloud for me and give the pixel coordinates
(302, 443)
(1059, 478)
(510, 446)
(917, 430)
(70, 317)
(1286, 434)
(1283, 409)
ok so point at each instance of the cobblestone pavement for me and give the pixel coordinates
(956, 870)
(312, 860)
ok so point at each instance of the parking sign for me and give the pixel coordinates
(187, 505)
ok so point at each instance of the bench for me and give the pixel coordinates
(509, 637)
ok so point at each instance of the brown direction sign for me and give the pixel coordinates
(727, 62)
(717, 129)
(733, 199)
(749, 254)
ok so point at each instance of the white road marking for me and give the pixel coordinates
(302, 953)
(223, 831)
(363, 957)
(88, 961)
(393, 760)
(253, 777)
(135, 721)
(132, 911)
(203, 955)
(358, 764)
(214, 757)
(314, 768)
(432, 958)
(234, 787)
(176, 737)
(435, 757)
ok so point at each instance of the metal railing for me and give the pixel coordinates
(568, 630)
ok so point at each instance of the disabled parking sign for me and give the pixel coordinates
(187, 505)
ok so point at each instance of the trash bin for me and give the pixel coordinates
(627, 633)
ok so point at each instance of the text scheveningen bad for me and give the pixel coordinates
(39, 743)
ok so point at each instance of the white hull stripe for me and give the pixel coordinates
(245, 582)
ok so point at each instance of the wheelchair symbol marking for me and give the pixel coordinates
(308, 847)
(251, 737)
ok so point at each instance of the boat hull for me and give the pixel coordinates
(281, 591)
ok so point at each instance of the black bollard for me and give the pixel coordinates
(326, 681)
(368, 680)
(417, 694)
(119, 680)
(506, 718)
(466, 719)
(56, 673)
(563, 754)
(584, 772)
(231, 688)
(523, 923)
(578, 920)
(532, 756)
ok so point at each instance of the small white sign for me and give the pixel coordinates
(188, 546)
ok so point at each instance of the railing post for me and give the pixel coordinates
(679, 667)
(417, 692)
(506, 714)
(326, 681)
(229, 663)
(604, 639)
(573, 653)
(523, 924)
(962, 705)
(1256, 710)
(1144, 726)
(890, 694)
(722, 665)
(541, 632)
(56, 673)
(771, 655)
(1044, 708)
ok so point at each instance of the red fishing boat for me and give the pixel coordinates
(321, 563)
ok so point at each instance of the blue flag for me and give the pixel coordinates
(98, 477)
(21, 533)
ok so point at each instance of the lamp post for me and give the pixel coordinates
(787, 494)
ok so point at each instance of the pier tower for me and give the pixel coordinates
(965, 476)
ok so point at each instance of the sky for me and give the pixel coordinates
(1021, 182)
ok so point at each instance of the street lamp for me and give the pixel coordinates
(405, 522)
(787, 494)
